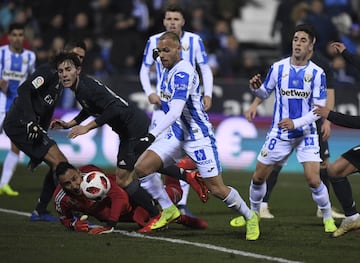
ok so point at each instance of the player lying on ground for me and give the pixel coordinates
(74, 197)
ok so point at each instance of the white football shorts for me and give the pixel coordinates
(276, 151)
(203, 152)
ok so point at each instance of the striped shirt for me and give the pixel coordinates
(192, 50)
(181, 82)
(296, 89)
(14, 68)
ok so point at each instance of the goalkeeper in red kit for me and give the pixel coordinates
(74, 207)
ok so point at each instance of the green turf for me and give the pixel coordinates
(294, 235)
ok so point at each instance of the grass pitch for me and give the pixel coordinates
(295, 235)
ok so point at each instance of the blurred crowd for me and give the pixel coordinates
(115, 32)
(334, 20)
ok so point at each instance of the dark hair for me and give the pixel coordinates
(62, 167)
(73, 44)
(175, 8)
(62, 56)
(307, 28)
(15, 26)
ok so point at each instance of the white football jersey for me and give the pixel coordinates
(296, 89)
(14, 68)
(192, 50)
(182, 82)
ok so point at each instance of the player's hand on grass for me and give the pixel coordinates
(80, 224)
(101, 230)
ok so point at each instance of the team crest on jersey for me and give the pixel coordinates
(185, 46)
(37, 82)
(307, 78)
(25, 60)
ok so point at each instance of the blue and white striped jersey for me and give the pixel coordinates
(182, 83)
(192, 50)
(14, 68)
(296, 89)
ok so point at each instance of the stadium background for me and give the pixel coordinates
(250, 22)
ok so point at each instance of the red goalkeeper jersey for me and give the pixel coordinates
(109, 209)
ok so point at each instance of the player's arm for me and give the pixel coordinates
(3, 82)
(60, 124)
(251, 111)
(307, 119)
(208, 79)
(64, 206)
(3, 85)
(206, 73)
(352, 59)
(330, 103)
(338, 118)
(178, 101)
(120, 205)
(264, 89)
(150, 57)
(82, 129)
(319, 98)
(40, 79)
(177, 106)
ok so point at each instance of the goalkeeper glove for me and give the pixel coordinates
(144, 143)
(101, 230)
(33, 131)
(80, 225)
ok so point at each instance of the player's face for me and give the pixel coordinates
(79, 52)
(169, 52)
(173, 22)
(301, 46)
(68, 74)
(70, 181)
(16, 40)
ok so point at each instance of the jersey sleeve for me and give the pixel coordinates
(343, 120)
(36, 81)
(147, 62)
(63, 207)
(267, 87)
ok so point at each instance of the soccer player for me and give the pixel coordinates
(298, 84)
(114, 207)
(347, 163)
(185, 129)
(26, 124)
(16, 64)
(192, 50)
(323, 130)
(127, 120)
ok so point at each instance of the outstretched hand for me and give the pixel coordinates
(58, 124)
(77, 130)
(321, 111)
(80, 224)
(338, 47)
